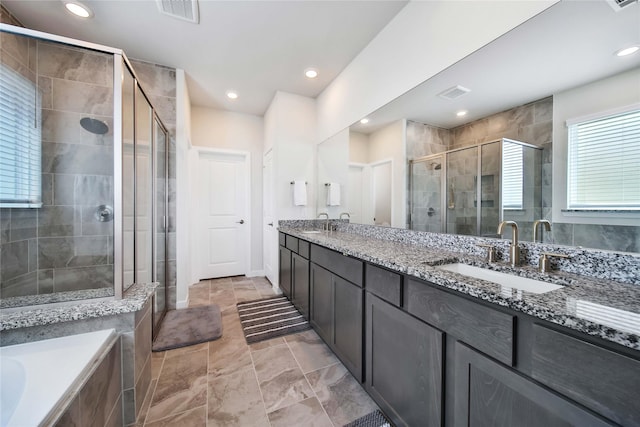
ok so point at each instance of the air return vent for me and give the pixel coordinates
(187, 10)
(617, 5)
(454, 92)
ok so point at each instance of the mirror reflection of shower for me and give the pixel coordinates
(469, 190)
(95, 126)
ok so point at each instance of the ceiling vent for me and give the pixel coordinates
(187, 10)
(454, 92)
(617, 5)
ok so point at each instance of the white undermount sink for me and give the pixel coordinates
(311, 232)
(503, 279)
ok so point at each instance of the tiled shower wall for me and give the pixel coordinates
(62, 246)
(532, 123)
(159, 83)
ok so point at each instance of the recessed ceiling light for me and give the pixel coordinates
(364, 121)
(461, 113)
(311, 73)
(232, 94)
(627, 51)
(78, 9)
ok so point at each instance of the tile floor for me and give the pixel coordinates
(288, 381)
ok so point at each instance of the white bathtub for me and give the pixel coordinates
(38, 379)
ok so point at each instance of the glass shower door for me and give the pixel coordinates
(490, 178)
(160, 225)
(426, 184)
(462, 173)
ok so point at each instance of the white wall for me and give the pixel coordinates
(423, 39)
(607, 94)
(358, 147)
(389, 143)
(290, 130)
(333, 159)
(243, 132)
(183, 192)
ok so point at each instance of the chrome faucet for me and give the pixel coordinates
(514, 250)
(547, 226)
(326, 224)
(345, 213)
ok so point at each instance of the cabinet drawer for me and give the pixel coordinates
(600, 379)
(292, 243)
(282, 238)
(303, 248)
(383, 283)
(490, 331)
(341, 265)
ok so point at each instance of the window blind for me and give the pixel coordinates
(20, 141)
(512, 171)
(604, 163)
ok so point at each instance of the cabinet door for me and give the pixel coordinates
(300, 284)
(404, 362)
(285, 271)
(321, 302)
(492, 395)
(347, 332)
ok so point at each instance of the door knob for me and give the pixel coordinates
(270, 224)
(240, 222)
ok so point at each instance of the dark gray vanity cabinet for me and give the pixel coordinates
(404, 365)
(492, 395)
(336, 305)
(285, 271)
(300, 283)
(294, 271)
(600, 379)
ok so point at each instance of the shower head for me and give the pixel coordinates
(436, 166)
(95, 126)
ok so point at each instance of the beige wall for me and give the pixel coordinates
(358, 147)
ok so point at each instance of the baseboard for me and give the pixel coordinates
(182, 304)
(255, 273)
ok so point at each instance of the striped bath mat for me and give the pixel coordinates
(269, 318)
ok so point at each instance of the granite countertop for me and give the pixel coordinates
(133, 300)
(598, 307)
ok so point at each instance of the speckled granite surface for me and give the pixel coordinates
(133, 300)
(55, 297)
(596, 306)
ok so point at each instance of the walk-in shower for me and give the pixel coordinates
(83, 184)
(471, 189)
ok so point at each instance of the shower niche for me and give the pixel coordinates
(470, 190)
(83, 188)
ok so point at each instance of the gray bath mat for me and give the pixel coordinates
(269, 318)
(189, 326)
(373, 419)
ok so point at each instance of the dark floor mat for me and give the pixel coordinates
(269, 318)
(189, 326)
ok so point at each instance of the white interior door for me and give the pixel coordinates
(269, 227)
(381, 174)
(223, 206)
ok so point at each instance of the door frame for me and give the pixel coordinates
(193, 205)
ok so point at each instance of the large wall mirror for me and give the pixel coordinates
(447, 172)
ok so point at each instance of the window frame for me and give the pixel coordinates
(602, 115)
